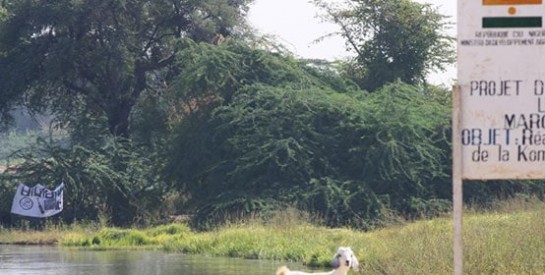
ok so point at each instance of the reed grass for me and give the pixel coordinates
(507, 240)
(51, 234)
(29, 237)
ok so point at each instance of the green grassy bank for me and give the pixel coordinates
(506, 241)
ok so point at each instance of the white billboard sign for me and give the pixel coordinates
(501, 76)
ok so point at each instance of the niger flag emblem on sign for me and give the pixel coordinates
(512, 18)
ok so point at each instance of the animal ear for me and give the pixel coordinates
(335, 263)
(355, 264)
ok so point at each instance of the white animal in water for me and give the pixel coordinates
(343, 260)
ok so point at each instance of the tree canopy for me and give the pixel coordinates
(392, 39)
(282, 133)
(94, 59)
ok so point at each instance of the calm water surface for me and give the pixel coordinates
(45, 260)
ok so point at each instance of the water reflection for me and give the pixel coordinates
(41, 260)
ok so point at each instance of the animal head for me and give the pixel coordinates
(345, 258)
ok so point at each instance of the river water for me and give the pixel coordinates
(49, 260)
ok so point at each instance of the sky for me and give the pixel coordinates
(295, 24)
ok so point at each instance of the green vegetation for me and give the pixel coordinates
(89, 62)
(176, 108)
(392, 39)
(346, 157)
(508, 240)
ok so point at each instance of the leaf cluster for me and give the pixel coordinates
(392, 39)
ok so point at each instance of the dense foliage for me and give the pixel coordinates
(274, 131)
(348, 157)
(102, 69)
(114, 182)
(91, 61)
(157, 119)
(392, 39)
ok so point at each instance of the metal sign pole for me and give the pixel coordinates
(457, 182)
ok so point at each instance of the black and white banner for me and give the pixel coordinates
(37, 201)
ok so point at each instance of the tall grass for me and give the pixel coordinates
(115, 238)
(508, 240)
(50, 234)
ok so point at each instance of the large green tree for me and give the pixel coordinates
(89, 62)
(392, 39)
(268, 130)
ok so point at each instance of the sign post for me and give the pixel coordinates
(501, 90)
(457, 182)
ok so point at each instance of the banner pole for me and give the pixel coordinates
(457, 181)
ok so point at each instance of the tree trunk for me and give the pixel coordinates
(118, 119)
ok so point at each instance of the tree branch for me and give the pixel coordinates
(347, 34)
